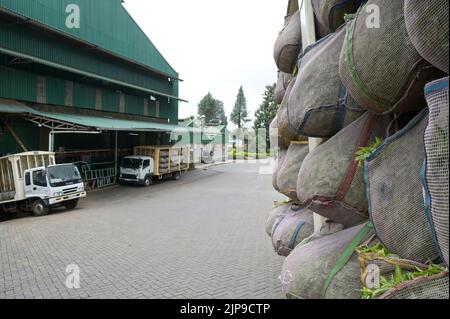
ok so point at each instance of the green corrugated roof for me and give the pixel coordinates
(105, 24)
(10, 106)
(97, 122)
(105, 124)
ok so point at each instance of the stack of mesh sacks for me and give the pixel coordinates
(377, 94)
(288, 223)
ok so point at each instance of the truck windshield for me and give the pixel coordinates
(63, 175)
(133, 163)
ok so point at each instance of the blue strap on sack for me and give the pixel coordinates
(295, 234)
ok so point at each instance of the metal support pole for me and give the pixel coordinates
(224, 143)
(51, 138)
(308, 38)
(116, 153)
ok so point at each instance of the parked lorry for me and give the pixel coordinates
(33, 182)
(150, 162)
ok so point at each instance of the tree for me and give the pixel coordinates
(221, 117)
(213, 110)
(266, 113)
(239, 116)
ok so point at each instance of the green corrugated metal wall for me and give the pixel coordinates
(83, 96)
(16, 84)
(151, 108)
(134, 105)
(56, 89)
(173, 107)
(114, 31)
(21, 85)
(40, 45)
(110, 101)
(103, 23)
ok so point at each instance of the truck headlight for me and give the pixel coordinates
(56, 194)
(80, 188)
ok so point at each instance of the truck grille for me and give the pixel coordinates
(129, 176)
(70, 190)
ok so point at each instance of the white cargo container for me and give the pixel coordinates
(33, 182)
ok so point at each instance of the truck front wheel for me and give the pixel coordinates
(71, 204)
(148, 181)
(39, 208)
(176, 176)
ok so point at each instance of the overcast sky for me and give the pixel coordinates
(215, 45)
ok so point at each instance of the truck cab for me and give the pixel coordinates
(32, 181)
(54, 185)
(137, 170)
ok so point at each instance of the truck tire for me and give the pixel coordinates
(39, 208)
(148, 181)
(71, 204)
(176, 176)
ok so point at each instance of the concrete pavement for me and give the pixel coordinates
(200, 237)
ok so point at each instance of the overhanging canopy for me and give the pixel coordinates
(59, 121)
(11, 106)
(109, 124)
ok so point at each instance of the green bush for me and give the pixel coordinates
(241, 154)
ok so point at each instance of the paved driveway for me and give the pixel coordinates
(200, 237)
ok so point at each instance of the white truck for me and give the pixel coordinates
(32, 181)
(136, 170)
(150, 162)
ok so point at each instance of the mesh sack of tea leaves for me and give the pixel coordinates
(282, 132)
(422, 287)
(331, 182)
(290, 230)
(328, 228)
(435, 177)
(379, 65)
(288, 173)
(279, 160)
(326, 268)
(286, 134)
(330, 13)
(426, 22)
(282, 84)
(385, 275)
(319, 105)
(288, 44)
(395, 195)
(280, 209)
